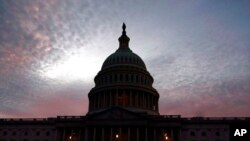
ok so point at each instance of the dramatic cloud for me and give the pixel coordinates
(197, 51)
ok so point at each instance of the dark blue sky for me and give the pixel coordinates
(197, 51)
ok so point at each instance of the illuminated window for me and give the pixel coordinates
(166, 136)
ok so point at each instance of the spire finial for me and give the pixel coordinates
(124, 28)
(124, 39)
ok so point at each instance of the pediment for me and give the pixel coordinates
(115, 113)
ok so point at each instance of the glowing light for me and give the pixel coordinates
(81, 66)
(166, 136)
(117, 136)
(70, 137)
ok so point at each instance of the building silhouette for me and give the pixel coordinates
(123, 106)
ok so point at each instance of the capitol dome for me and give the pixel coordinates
(124, 82)
(123, 57)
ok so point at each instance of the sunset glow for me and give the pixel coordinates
(81, 66)
(198, 53)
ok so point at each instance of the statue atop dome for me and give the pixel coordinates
(124, 29)
(124, 39)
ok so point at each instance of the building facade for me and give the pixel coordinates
(123, 106)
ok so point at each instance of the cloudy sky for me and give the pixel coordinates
(197, 51)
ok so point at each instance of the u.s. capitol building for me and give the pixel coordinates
(123, 106)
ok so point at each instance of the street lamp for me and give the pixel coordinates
(117, 136)
(166, 136)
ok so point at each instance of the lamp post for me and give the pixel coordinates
(166, 136)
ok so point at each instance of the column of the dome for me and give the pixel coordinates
(125, 103)
(136, 99)
(110, 97)
(92, 103)
(143, 99)
(130, 98)
(89, 104)
(116, 97)
(148, 101)
(104, 99)
(140, 99)
(157, 104)
(126, 98)
(154, 103)
(95, 101)
(151, 102)
(98, 100)
(123, 97)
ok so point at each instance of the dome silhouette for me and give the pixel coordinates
(123, 57)
(124, 82)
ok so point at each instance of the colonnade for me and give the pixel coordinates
(138, 79)
(125, 98)
(119, 134)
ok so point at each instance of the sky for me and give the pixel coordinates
(197, 51)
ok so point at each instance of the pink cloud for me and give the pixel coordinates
(205, 104)
(59, 105)
(52, 107)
